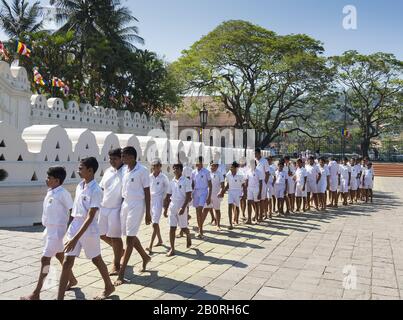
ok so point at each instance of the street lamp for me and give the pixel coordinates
(203, 121)
(245, 135)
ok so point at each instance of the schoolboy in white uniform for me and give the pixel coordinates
(57, 207)
(271, 199)
(235, 186)
(358, 171)
(159, 186)
(333, 182)
(313, 179)
(301, 177)
(280, 186)
(243, 170)
(109, 213)
(344, 179)
(323, 183)
(201, 184)
(355, 171)
(177, 200)
(217, 183)
(263, 166)
(254, 182)
(290, 171)
(83, 232)
(137, 201)
(368, 182)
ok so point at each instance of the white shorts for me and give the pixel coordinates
(368, 185)
(200, 198)
(265, 187)
(279, 190)
(174, 219)
(334, 183)
(270, 190)
(89, 241)
(53, 240)
(156, 209)
(298, 191)
(253, 194)
(234, 197)
(322, 187)
(131, 218)
(215, 203)
(291, 186)
(344, 186)
(353, 185)
(109, 222)
(311, 187)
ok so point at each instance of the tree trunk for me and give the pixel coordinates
(365, 143)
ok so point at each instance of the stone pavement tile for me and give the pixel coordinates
(186, 288)
(391, 292)
(386, 283)
(279, 283)
(381, 297)
(356, 295)
(151, 293)
(235, 294)
(224, 284)
(173, 296)
(7, 276)
(19, 282)
(199, 280)
(270, 292)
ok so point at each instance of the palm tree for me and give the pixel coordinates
(106, 18)
(18, 18)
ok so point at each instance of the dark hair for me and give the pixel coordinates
(287, 158)
(57, 173)
(178, 166)
(311, 158)
(345, 159)
(90, 163)
(115, 153)
(130, 151)
(200, 159)
(258, 150)
(235, 164)
(299, 160)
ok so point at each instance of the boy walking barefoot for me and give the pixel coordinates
(57, 207)
(254, 181)
(109, 214)
(217, 182)
(235, 185)
(179, 195)
(83, 232)
(136, 195)
(344, 180)
(263, 166)
(333, 182)
(368, 182)
(281, 186)
(201, 184)
(300, 187)
(159, 185)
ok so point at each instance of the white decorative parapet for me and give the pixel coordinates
(37, 133)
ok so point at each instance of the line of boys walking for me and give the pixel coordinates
(128, 195)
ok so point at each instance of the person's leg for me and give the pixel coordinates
(249, 221)
(371, 195)
(237, 214)
(288, 204)
(73, 281)
(292, 202)
(65, 276)
(117, 246)
(230, 206)
(188, 237)
(126, 257)
(243, 207)
(213, 219)
(153, 236)
(308, 199)
(45, 265)
(316, 201)
(274, 204)
(218, 219)
(304, 204)
(172, 232)
(298, 200)
(139, 248)
(103, 270)
(199, 214)
(107, 240)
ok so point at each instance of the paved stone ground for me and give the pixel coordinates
(306, 256)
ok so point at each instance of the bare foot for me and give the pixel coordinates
(249, 222)
(105, 294)
(119, 281)
(231, 228)
(218, 228)
(150, 251)
(188, 242)
(145, 262)
(72, 283)
(159, 244)
(199, 236)
(171, 253)
(32, 297)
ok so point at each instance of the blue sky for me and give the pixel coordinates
(171, 26)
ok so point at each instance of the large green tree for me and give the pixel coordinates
(266, 80)
(374, 87)
(17, 17)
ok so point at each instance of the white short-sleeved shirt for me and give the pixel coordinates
(312, 172)
(88, 196)
(134, 183)
(272, 172)
(111, 184)
(159, 185)
(357, 170)
(290, 168)
(235, 182)
(187, 172)
(263, 165)
(300, 175)
(281, 177)
(178, 188)
(368, 174)
(333, 169)
(324, 171)
(201, 178)
(254, 177)
(216, 179)
(344, 170)
(56, 207)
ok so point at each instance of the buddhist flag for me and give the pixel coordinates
(56, 82)
(38, 79)
(23, 49)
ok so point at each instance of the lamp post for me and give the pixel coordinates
(245, 136)
(203, 121)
